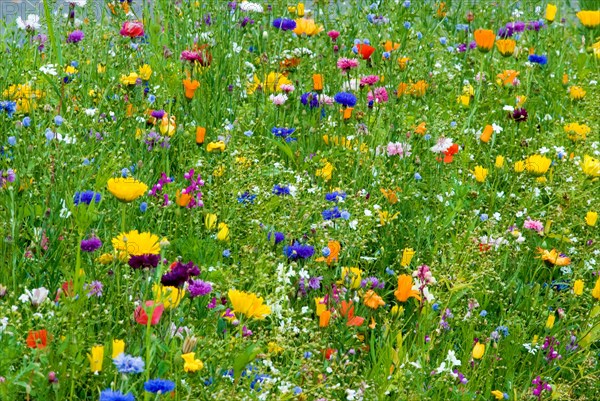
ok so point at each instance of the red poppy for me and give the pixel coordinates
(450, 152)
(328, 353)
(141, 316)
(365, 50)
(37, 339)
(132, 29)
(65, 289)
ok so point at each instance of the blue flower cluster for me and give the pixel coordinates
(159, 386)
(345, 99)
(281, 190)
(298, 251)
(9, 107)
(86, 197)
(284, 24)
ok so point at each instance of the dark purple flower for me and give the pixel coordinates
(75, 36)
(519, 115)
(86, 197)
(284, 24)
(90, 244)
(143, 261)
(199, 288)
(310, 99)
(297, 250)
(179, 274)
(158, 114)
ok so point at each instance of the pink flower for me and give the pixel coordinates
(287, 88)
(400, 149)
(278, 100)
(333, 35)
(534, 225)
(346, 64)
(369, 80)
(132, 29)
(378, 95)
(141, 316)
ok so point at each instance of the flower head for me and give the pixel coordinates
(406, 289)
(126, 189)
(248, 304)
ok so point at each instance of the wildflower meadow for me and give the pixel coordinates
(337, 200)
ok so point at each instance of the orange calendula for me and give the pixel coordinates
(485, 39)
(554, 257)
(405, 289)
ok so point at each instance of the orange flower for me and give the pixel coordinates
(200, 133)
(324, 318)
(365, 50)
(372, 300)
(507, 77)
(37, 339)
(419, 88)
(553, 257)
(334, 252)
(388, 46)
(405, 289)
(190, 87)
(403, 62)
(484, 39)
(318, 82)
(182, 199)
(486, 134)
(347, 311)
(441, 10)
(421, 129)
(390, 195)
(403, 88)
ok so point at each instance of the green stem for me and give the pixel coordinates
(123, 217)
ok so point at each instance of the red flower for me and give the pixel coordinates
(347, 311)
(328, 353)
(141, 316)
(450, 152)
(132, 29)
(365, 50)
(37, 339)
(65, 289)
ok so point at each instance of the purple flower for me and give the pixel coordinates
(199, 288)
(297, 250)
(90, 244)
(278, 237)
(143, 261)
(314, 283)
(519, 115)
(86, 197)
(310, 99)
(179, 274)
(94, 289)
(75, 36)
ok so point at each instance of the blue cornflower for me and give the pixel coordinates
(12, 141)
(246, 198)
(298, 251)
(226, 253)
(86, 197)
(58, 120)
(258, 379)
(297, 390)
(407, 25)
(143, 207)
(331, 214)
(345, 98)
(307, 354)
(419, 35)
(443, 41)
(325, 251)
(248, 133)
(159, 386)
(281, 190)
(418, 177)
(435, 307)
(310, 99)
(129, 364)
(151, 99)
(278, 237)
(109, 395)
(9, 107)
(284, 24)
(283, 132)
(26, 122)
(483, 313)
(503, 329)
(462, 27)
(124, 172)
(345, 215)
(538, 59)
(335, 196)
(483, 217)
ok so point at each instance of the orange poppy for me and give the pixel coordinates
(388, 46)
(318, 82)
(190, 87)
(553, 257)
(372, 300)
(485, 39)
(486, 135)
(200, 133)
(347, 311)
(324, 318)
(366, 51)
(182, 199)
(37, 339)
(405, 289)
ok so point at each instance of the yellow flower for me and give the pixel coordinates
(300, 9)
(145, 72)
(390, 195)
(136, 244)
(589, 19)
(384, 217)
(550, 12)
(105, 258)
(478, 350)
(273, 348)
(320, 306)
(519, 166)
(126, 189)
(118, 347)
(353, 275)
(499, 395)
(576, 92)
(484, 39)
(248, 304)
(480, 173)
(576, 131)
(305, 26)
(537, 164)
(213, 146)
(96, 358)
(578, 287)
(129, 79)
(71, 70)
(170, 297)
(407, 255)
(596, 49)
(405, 289)
(465, 100)
(326, 172)
(101, 68)
(210, 221)
(596, 290)
(506, 47)
(499, 162)
(550, 321)
(590, 166)
(223, 233)
(403, 62)
(271, 83)
(591, 218)
(191, 364)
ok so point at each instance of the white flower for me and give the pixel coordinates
(32, 23)
(496, 128)
(36, 297)
(236, 48)
(64, 212)
(90, 112)
(49, 69)
(508, 108)
(278, 100)
(79, 3)
(252, 7)
(442, 145)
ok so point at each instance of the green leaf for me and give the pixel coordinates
(242, 360)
